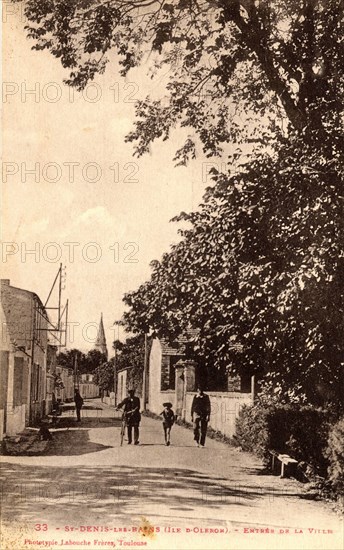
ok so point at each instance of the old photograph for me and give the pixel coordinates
(172, 274)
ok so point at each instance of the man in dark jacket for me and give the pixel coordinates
(78, 400)
(131, 408)
(200, 414)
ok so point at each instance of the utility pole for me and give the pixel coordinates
(115, 324)
(60, 292)
(144, 376)
(114, 374)
(76, 377)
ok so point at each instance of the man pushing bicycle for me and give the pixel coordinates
(131, 415)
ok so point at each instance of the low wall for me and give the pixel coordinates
(109, 400)
(225, 408)
(88, 390)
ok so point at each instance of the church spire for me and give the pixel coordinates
(101, 340)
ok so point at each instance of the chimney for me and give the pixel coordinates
(5, 282)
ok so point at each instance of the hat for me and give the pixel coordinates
(168, 404)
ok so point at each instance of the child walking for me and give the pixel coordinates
(168, 419)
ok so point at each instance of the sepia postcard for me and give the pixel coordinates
(172, 268)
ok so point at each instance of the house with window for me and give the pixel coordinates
(163, 359)
(24, 353)
(174, 373)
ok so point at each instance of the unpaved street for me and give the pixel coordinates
(88, 487)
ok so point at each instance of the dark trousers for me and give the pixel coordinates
(200, 428)
(78, 417)
(136, 433)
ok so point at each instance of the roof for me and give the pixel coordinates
(33, 295)
(19, 314)
(178, 346)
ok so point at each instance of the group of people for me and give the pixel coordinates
(200, 414)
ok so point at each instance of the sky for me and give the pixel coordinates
(87, 202)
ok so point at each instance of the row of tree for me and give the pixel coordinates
(127, 354)
(85, 362)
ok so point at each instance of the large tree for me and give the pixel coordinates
(260, 273)
(237, 67)
(262, 264)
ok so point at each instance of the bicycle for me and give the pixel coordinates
(124, 424)
(123, 427)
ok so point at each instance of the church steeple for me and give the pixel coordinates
(101, 340)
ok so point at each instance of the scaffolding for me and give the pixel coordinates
(57, 328)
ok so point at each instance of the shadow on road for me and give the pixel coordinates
(118, 493)
(89, 422)
(71, 443)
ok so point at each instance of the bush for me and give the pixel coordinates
(301, 431)
(335, 454)
(252, 433)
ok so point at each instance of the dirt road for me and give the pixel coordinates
(91, 491)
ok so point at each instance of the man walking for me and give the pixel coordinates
(131, 408)
(200, 414)
(78, 400)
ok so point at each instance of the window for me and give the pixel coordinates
(19, 382)
(4, 356)
(168, 377)
(35, 382)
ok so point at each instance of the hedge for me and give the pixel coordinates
(301, 431)
(335, 455)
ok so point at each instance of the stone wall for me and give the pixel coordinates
(225, 408)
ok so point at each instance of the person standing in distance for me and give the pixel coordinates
(200, 415)
(131, 408)
(78, 400)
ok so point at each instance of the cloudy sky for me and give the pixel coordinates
(91, 205)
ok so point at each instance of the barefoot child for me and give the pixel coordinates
(168, 419)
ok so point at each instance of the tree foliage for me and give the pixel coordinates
(260, 274)
(104, 376)
(230, 62)
(86, 362)
(259, 270)
(94, 358)
(131, 355)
